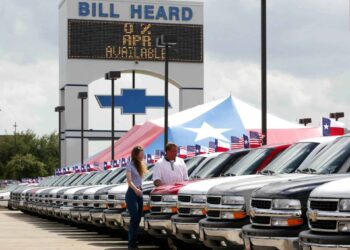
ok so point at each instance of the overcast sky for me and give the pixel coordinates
(308, 59)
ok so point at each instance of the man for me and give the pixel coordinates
(170, 169)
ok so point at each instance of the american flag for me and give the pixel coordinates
(236, 143)
(198, 149)
(255, 139)
(191, 151)
(212, 147)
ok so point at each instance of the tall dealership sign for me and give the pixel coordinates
(108, 35)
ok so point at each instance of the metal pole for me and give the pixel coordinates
(133, 86)
(263, 72)
(15, 137)
(166, 95)
(59, 139)
(82, 131)
(113, 105)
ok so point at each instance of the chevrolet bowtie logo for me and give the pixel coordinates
(252, 213)
(132, 101)
(313, 216)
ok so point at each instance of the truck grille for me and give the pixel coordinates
(324, 224)
(156, 198)
(110, 205)
(184, 210)
(261, 220)
(96, 205)
(97, 197)
(85, 197)
(324, 205)
(111, 197)
(264, 204)
(75, 197)
(85, 204)
(184, 198)
(156, 209)
(65, 197)
(213, 200)
(213, 213)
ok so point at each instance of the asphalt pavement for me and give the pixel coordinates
(19, 231)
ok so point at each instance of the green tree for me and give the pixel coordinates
(24, 166)
(43, 148)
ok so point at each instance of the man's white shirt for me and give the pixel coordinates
(170, 172)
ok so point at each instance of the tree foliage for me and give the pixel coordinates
(28, 155)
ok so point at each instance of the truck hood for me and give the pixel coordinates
(249, 185)
(58, 189)
(294, 189)
(334, 189)
(122, 188)
(203, 186)
(171, 189)
(72, 190)
(93, 190)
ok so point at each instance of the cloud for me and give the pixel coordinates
(28, 96)
(290, 97)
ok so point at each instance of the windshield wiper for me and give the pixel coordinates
(229, 174)
(196, 177)
(308, 170)
(267, 172)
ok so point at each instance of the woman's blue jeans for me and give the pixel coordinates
(134, 204)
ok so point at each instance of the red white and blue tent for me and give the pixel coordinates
(199, 125)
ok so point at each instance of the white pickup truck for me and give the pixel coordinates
(328, 217)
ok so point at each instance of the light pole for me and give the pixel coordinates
(59, 109)
(82, 96)
(305, 121)
(336, 115)
(263, 73)
(112, 75)
(166, 41)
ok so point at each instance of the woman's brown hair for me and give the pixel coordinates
(140, 165)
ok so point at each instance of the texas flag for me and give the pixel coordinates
(149, 159)
(221, 146)
(245, 141)
(331, 127)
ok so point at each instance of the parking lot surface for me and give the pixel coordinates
(20, 231)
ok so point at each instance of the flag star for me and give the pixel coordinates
(326, 126)
(207, 131)
(246, 142)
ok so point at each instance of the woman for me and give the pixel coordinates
(133, 198)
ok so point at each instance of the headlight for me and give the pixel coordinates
(103, 197)
(344, 226)
(286, 204)
(70, 197)
(170, 198)
(344, 205)
(198, 211)
(199, 198)
(286, 222)
(233, 200)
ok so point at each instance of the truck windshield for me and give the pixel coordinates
(249, 163)
(96, 179)
(290, 159)
(208, 170)
(331, 159)
(119, 176)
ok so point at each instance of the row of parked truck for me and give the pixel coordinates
(273, 197)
